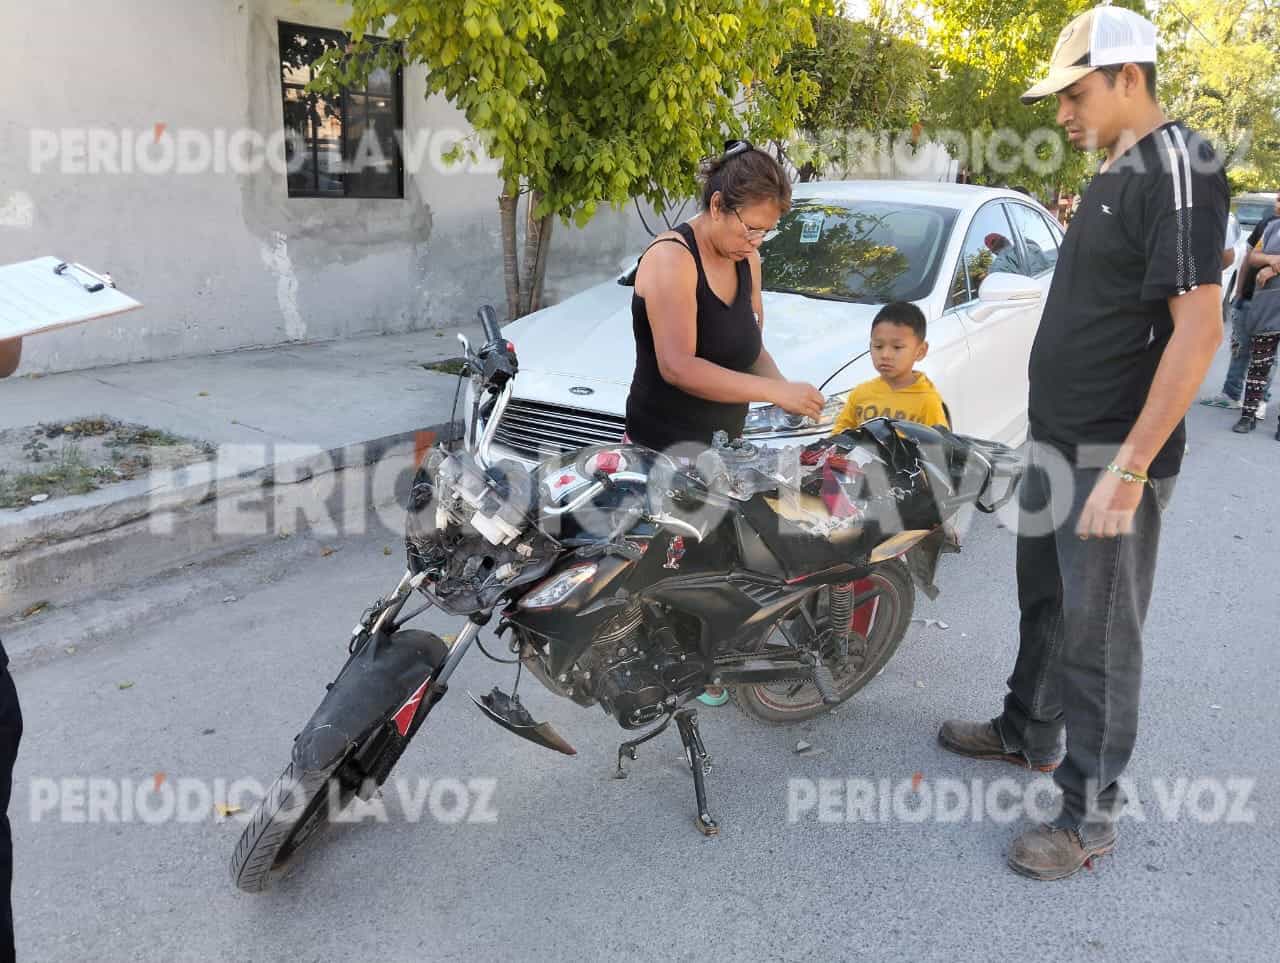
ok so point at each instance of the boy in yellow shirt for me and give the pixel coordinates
(897, 344)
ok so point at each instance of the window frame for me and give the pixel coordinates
(1022, 241)
(1001, 202)
(397, 96)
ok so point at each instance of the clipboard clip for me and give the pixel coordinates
(100, 280)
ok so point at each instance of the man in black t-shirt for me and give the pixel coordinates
(10, 732)
(1129, 330)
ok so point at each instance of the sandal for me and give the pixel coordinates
(714, 696)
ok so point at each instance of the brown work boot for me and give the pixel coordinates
(979, 740)
(1050, 853)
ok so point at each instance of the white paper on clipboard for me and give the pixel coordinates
(34, 299)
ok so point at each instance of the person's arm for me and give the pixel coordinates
(10, 355)
(757, 287)
(668, 282)
(1228, 258)
(1182, 257)
(765, 366)
(1261, 259)
(1197, 332)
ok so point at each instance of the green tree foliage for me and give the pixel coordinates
(1220, 72)
(986, 54)
(584, 102)
(871, 75)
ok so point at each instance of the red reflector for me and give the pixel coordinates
(607, 462)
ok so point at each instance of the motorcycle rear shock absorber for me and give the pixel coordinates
(840, 610)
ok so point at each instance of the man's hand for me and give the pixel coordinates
(1265, 275)
(1111, 507)
(10, 355)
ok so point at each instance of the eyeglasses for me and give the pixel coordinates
(754, 233)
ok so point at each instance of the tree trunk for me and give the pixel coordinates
(507, 206)
(532, 230)
(807, 171)
(540, 264)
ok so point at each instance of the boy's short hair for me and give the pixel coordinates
(904, 313)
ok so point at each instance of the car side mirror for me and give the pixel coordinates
(1001, 290)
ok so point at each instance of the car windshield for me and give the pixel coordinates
(866, 251)
(1252, 212)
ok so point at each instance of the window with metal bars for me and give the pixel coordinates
(344, 145)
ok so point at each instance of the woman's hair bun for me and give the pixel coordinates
(743, 175)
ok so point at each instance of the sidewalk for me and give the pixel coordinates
(313, 408)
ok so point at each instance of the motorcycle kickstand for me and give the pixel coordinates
(629, 748)
(700, 764)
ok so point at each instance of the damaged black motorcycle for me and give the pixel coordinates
(632, 580)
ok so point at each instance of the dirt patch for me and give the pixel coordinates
(55, 459)
(450, 366)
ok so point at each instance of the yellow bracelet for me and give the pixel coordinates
(1132, 477)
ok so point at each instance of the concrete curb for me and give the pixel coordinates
(141, 527)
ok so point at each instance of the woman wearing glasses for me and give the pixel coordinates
(697, 316)
(697, 313)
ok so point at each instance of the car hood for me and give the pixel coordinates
(589, 336)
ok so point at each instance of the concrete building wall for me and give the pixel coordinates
(226, 260)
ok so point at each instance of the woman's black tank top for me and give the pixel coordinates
(658, 413)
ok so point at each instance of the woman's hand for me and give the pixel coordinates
(798, 398)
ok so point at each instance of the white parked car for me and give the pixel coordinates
(1238, 241)
(977, 261)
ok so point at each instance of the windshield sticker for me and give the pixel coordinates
(811, 227)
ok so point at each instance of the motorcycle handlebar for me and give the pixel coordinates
(489, 322)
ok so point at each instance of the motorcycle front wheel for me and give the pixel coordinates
(296, 805)
(299, 804)
(882, 620)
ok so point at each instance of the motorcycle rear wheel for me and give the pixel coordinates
(889, 617)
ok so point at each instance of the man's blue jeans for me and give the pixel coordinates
(1233, 386)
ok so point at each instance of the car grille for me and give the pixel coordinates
(536, 429)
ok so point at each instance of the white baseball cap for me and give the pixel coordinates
(1101, 37)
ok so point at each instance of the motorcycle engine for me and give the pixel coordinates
(642, 684)
(634, 671)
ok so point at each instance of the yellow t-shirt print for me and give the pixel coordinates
(919, 402)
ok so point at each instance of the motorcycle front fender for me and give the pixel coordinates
(383, 674)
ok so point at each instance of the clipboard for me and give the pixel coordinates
(48, 293)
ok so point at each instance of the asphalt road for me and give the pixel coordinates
(564, 862)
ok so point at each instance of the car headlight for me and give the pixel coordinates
(772, 420)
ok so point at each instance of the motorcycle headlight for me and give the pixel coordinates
(558, 588)
(772, 420)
